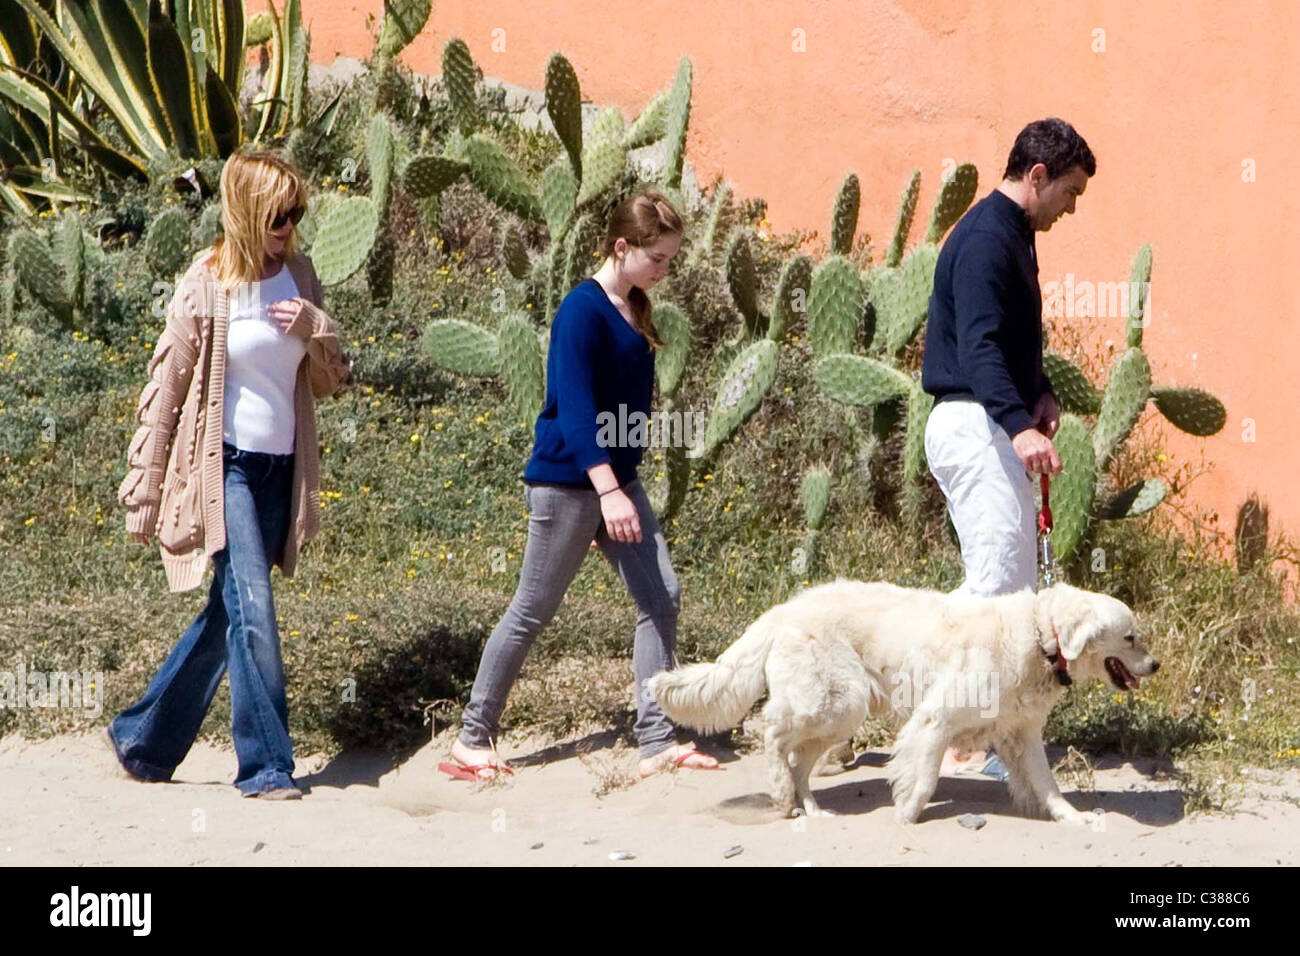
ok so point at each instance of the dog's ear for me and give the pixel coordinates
(1075, 634)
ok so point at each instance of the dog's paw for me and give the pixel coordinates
(1067, 814)
(904, 817)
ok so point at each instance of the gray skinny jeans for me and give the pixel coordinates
(562, 522)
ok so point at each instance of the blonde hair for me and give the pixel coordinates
(642, 219)
(256, 185)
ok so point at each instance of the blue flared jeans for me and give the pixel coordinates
(236, 631)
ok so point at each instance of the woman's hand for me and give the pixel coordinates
(284, 312)
(141, 536)
(621, 519)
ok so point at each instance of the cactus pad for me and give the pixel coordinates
(461, 347)
(834, 307)
(345, 233)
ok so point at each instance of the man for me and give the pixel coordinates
(995, 412)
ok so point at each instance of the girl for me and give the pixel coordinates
(224, 469)
(576, 489)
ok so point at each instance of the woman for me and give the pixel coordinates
(578, 489)
(224, 469)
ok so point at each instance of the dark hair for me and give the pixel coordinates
(642, 219)
(1054, 143)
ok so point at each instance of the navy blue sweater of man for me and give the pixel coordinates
(984, 336)
(595, 363)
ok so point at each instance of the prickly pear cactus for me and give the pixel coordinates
(844, 216)
(675, 123)
(210, 227)
(427, 175)
(1135, 500)
(603, 155)
(379, 152)
(495, 174)
(1192, 410)
(674, 329)
(257, 29)
(1139, 290)
(559, 195)
(580, 251)
(677, 472)
(460, 77)
(835, 305)
(345, 234)
(857, 380)
(514, 254)
(564, 107)
(919, 405)
(815, 493)
(1121, 404)
(742, 281)
(740, 392)
(903, 225)
(649, 126)
(1074, 393)
(167, 242)
(462, 347)
(719, 212)
(900, 299)
(791, 299)
(955, 196)
(36, 271)
(522, 368)
(403, 21)
(1073, 490)
(69, 246)
(379, 265)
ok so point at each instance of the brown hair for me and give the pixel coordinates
(256, 185)
(642, 220)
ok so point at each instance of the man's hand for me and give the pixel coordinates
(1047, 414)
(1036, 452)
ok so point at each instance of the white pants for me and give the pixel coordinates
(990, 498)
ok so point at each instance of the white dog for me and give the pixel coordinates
(964, 671)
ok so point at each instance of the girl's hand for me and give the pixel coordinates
(283, 313)
(621, 519)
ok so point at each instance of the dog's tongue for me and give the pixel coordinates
(1124, 673)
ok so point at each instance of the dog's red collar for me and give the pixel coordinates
(1060, 666)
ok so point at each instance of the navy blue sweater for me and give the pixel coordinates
(596, 361)
(984, 335)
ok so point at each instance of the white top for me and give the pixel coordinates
(261, 369)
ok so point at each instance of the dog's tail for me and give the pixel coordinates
(710, 697)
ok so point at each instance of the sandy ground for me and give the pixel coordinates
(63, 802)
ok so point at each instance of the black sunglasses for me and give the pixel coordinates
(294, 216)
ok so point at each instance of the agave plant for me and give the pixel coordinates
(165, 73)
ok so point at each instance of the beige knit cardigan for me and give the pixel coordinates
(174, 483)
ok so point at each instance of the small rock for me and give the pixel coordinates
(591, 842)
(731, 851)
(536, 846)
(257, 846)
(621, 855)
(971, 821)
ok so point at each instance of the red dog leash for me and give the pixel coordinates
(1045, 555)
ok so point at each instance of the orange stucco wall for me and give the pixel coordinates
(1184, 92)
